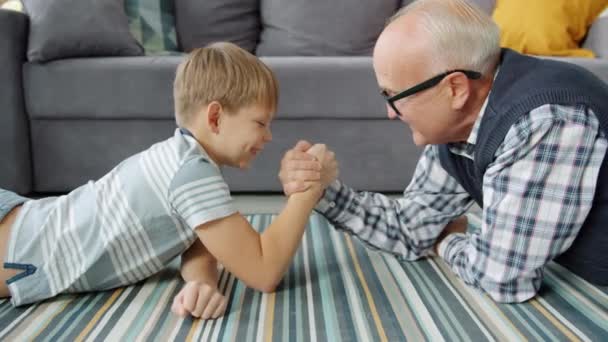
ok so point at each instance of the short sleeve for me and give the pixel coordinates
(199, 194)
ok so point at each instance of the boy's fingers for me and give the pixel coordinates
(298, 155)
(294, 187)
(304, 175)
(190, 297)
(289, 167)
(310, 184)
(214, 302)
(178, 307)
(304, 165)
(220, 309)
(303, 146)
(174, 306)
(203, 300)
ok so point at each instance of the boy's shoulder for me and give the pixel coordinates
(196, 176)
(194, 170)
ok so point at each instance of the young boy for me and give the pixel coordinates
(167, 201)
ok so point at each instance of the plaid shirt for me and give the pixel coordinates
(537, 194)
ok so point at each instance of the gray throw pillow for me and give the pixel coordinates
(596, 37)
(321, 27)
(200, 22)
(78, 28)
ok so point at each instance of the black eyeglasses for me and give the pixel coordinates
(425, 85)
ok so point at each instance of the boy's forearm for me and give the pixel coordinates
(199, 265)
(282, 238)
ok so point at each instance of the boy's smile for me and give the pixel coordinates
(245, 133)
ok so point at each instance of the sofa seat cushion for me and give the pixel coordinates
(141, 88)
(68, 153)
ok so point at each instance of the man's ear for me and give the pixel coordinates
(214, 113)
(458, 87)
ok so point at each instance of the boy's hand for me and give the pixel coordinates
(199, 300)
(301, 170)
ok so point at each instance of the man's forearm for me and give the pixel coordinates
(199, 265)
(405, 227)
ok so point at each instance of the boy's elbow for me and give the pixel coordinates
(269, 288)
(266, 284)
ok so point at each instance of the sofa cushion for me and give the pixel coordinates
(68, 153)
(141, 88)
(596, 37)
(322, 28)
(202, 22)
(78, 28)
(152, 23)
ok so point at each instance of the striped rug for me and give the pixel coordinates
(336, 290)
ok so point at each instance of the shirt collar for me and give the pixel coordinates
(188, 135)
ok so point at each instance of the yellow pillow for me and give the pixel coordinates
(546, 27)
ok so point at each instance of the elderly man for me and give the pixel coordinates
(523, 137)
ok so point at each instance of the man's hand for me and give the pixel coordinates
(458, 225)
(199, 300)
(300, 170)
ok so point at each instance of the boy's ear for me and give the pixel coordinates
(214, 111)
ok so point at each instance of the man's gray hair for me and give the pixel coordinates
(463, 36)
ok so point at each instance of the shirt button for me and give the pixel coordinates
(332, 204)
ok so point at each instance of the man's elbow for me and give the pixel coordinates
(510, 299)
(504, 292)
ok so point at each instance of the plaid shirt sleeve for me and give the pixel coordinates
(407, 227)
(537, 194)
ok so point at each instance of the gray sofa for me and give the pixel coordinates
(68, 121)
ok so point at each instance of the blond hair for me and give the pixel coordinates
(225, 73)
(463, 35)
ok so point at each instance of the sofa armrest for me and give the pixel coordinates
(596, 40)
(15, 162)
